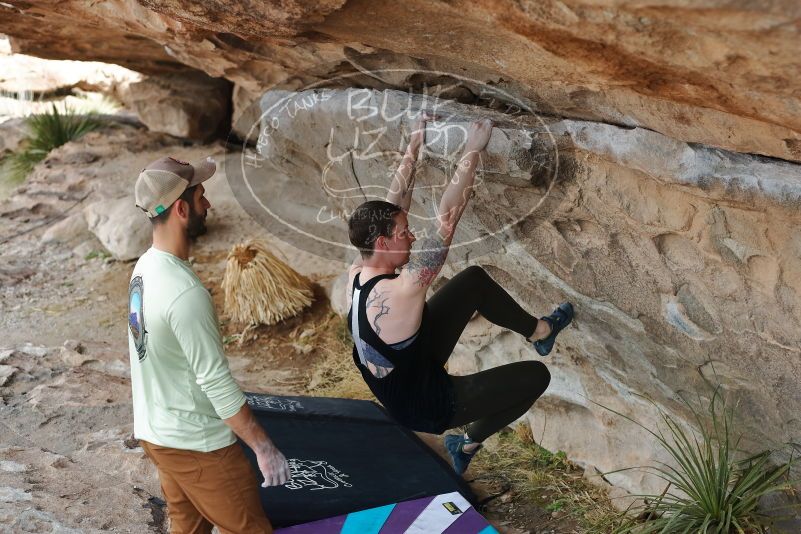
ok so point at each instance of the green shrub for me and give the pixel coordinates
(52, 129)
(18, 165)
(48, 130)
(713, 487)
(556, 505)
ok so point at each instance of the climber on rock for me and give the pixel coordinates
(402, 341)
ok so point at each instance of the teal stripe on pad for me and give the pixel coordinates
(367, 521)
(488, 530)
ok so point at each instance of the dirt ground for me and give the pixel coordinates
(67, 463)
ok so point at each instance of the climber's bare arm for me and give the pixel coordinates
(460, 189)
(400, 192)
(429, 253)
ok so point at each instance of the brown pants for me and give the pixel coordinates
(204, 489)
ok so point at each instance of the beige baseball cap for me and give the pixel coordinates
(163, 181)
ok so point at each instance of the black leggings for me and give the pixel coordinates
(492, 399)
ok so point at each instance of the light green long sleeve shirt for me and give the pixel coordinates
(182, 386)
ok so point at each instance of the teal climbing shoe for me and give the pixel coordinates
(559, 319)
(455, 445)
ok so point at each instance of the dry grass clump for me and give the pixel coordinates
(335, 374)
(260, 288)
(549, 479)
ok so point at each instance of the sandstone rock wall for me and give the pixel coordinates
(672, 129)
(719, 73)
(682, 260)
(188, 104)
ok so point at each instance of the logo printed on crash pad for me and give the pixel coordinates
(452, 508)
(314, 475)
(273, 403)
(136, 317)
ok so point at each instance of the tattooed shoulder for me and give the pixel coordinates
(427, 259)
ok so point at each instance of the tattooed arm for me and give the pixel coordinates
(426, 261)
(460, 189)
(429, 254)
(400, 192)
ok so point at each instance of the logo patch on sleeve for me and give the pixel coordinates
(136, 316)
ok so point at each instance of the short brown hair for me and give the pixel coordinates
(188, 196)
(371, 220)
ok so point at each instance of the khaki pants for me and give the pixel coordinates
(204, 489)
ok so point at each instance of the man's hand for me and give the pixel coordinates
(478, 135)
(273, 466)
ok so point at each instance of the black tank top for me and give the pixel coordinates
(417, 391)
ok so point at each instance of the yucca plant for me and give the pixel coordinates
(18, 165)
(48, 130)
(711, 486)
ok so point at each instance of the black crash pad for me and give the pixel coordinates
(345, 455)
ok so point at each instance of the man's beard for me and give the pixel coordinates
(197, 224)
